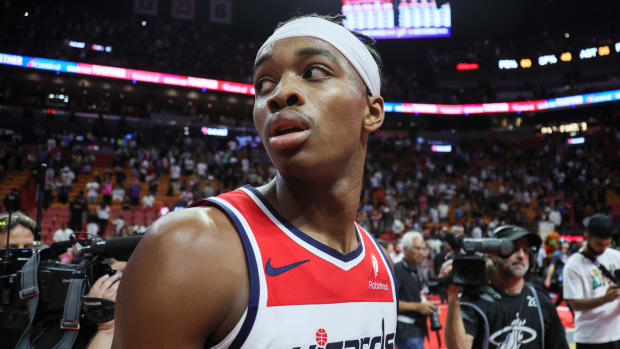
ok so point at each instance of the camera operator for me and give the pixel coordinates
(22, 236)
(590, 290)
(412, 308)
(21, 227)
(509, 313)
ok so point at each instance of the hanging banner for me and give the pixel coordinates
(220, 11)
(145, 7)
(183, 9)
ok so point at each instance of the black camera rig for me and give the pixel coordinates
(41, 298)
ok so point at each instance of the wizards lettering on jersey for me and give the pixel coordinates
(384, 341)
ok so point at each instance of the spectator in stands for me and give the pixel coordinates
(553, 279)
(148, 200)
(201, 168)
(77, 209)
(67, 176)
(21, 230)
(134, 193)
(443, 209)
(175, 173)
(92, 194)
(119, 223)
(107, 191)
(589, 289)
(92, 223)
(118, 194)
(103, 215)
(63, 233)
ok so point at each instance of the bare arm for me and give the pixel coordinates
(584, 304)
(186, 283)
(424, 308)
(549, 275)
(102, 339)
(455, 335)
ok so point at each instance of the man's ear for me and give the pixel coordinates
(374, 119)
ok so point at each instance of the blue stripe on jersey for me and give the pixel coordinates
(300, 234)
(254, 281)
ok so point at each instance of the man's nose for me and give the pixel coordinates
(288, 94)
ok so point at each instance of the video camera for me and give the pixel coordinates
(469, 264)
(54, 280)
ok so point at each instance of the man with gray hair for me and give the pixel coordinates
(413, 308)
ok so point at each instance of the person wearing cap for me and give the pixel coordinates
(283, 265)
(592, 294)
(510, 312)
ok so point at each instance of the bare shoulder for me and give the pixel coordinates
(185, 282)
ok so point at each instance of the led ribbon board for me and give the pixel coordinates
(247, 89)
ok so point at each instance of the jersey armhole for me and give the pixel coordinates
(236, 338)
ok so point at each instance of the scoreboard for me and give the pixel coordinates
(398, 19)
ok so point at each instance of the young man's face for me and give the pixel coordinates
(309, 108)
(597, 244)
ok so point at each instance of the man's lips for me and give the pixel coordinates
(287, 122)
(288, 129)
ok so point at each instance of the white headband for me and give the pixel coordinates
(341, 38)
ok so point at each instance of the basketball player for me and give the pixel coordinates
(283, 265)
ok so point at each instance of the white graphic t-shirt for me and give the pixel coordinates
(583, 280)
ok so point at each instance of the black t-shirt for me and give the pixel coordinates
(409, 287)
(77, 208)
(514, 321)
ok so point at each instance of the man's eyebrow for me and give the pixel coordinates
(314, 51)
(307, 51)
(261, 60)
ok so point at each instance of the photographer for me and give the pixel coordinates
(412, 308)
(21, 227)
(22, 237)
(590, 290)
(509, 313)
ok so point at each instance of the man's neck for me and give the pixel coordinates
(323, 210)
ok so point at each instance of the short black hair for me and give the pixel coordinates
(369, 42)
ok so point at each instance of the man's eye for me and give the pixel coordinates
(315, 72)
(262, 85)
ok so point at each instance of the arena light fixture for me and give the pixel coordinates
(587, 53)
(446, 148)
(212, 131)
(467, 66)
(526, 63)
(566, 57)
(576, 140)
(547, 59)
(508, 64)
(603, 50)
(617, 46)
(77, 44)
